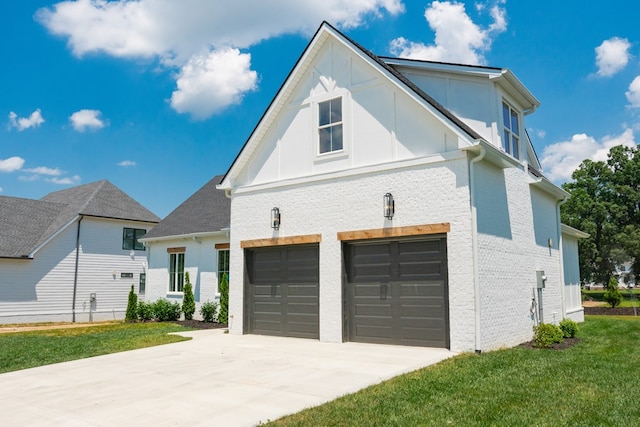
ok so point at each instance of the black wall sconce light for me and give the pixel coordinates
(275, 218)
(389, 206)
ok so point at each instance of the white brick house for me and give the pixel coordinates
(453, 264)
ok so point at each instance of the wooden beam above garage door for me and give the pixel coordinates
(280, 241)
(413, 230)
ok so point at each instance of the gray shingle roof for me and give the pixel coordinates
(207, 210)
(25, 224)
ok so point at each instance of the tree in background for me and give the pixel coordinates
(612, 296)
(605, 202)
(188, 301)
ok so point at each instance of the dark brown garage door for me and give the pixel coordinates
(397, 292)
(281, 291)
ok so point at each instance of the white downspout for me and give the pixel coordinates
(560, 256)
(474, 239)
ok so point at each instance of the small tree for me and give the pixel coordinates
(613, 296)
(188, 302)
(131, 315)
(223, 313)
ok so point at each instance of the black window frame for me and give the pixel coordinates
(223, 264)
(130, 238)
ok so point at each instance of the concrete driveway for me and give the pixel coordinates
(214, 379)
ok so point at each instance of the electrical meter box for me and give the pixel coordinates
(541, 279)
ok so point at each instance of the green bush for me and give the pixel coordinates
(144, 311)
(132, 305)
(188, 302)
(166, 311)
(546, 334)
(223, 314)
(208, 311)
(569, 327)
(613, 296)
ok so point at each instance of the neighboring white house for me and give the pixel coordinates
(72, 255)
(194, 238)
(394, 201)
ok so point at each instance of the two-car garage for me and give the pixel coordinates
(394, 291)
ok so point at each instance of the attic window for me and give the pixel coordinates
(511, 136)
(130, 238)
(330, 125)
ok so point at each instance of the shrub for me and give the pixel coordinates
(208, 311)
(144, 311)
(132, 305)
(612, 296)
(569, 328)
(223, 314)
(546, 334)
(166, 311)
(188, 302)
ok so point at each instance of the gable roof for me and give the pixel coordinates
(208, 210)
(26, 224)
(326, 29)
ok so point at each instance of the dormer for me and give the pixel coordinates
(491, 101)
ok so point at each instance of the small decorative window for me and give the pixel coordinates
(142, 283)
(330, 125)
(511, 138)
(130, 238)
(176, 272)
(223, 265)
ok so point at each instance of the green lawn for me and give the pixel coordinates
(21, 350)
(593, 383)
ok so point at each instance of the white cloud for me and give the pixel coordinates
(86, 119)
(68, 180)
(612, 56)
(178, 33)
(457, 37)
(633, 95)
(1, 190)
(559, 160)
(42, 170)
(209, 83)
(11, 164)
(22, 123)
(127, 163)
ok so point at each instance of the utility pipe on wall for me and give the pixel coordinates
(75, 273)
(474, 238)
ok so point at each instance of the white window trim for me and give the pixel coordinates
(346, 126)
(504, 128)
(169, 291)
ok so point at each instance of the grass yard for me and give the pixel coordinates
(21, 350)
(593, 383)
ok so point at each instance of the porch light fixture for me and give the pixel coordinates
(275, 218)
(389, 206)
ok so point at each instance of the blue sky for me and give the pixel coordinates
(158, 96)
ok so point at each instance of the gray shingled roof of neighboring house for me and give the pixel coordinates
(207, 210)
(26, 224)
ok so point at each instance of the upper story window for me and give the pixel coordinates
(330, 125)
(511, 137)
(130, 238)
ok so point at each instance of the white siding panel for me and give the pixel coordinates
(373, 119)
(572, 294)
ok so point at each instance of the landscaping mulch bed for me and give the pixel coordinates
(199, 324)
(567, 343)
(618, 311)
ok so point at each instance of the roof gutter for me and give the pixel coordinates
(75, 273)
(223, 232)
(474, 239)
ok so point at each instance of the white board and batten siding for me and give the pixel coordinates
(41, 289)
(572, 291)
